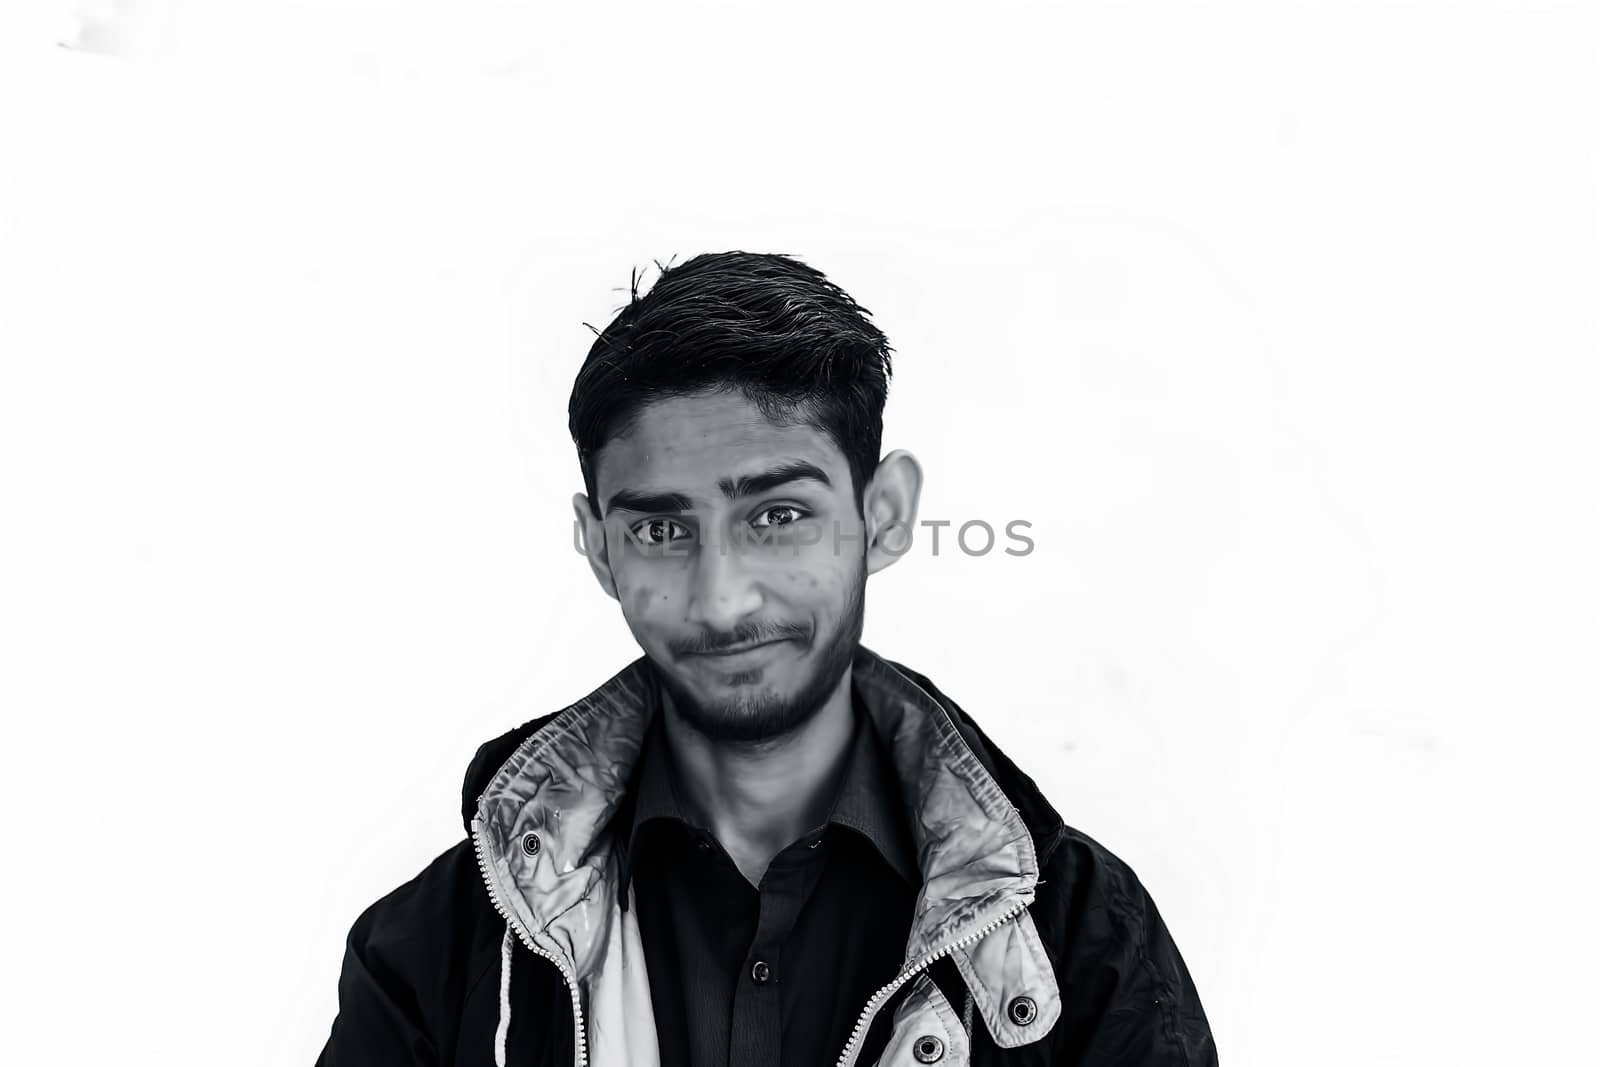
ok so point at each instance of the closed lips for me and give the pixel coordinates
(732, 649)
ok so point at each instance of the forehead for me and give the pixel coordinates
(686, 444)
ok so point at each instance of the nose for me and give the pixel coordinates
(722, 593)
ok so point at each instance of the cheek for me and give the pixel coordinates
(818, 585)
(646, 602)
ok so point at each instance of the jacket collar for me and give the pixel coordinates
(543, 818)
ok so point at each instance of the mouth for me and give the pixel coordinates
(750, 651)
(734, 650)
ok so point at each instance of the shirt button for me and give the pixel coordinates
(760, 973)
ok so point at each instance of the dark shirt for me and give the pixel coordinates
(775, 976)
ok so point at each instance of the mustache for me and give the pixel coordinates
(748, 634)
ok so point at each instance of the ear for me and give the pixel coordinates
(889, 508)
(594, 543)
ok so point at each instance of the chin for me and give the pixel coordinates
(751, 709)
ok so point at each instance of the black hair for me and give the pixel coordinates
(767, 325)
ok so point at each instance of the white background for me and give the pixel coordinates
(1276, 320)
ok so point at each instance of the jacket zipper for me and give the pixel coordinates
(580, 1042)
(876, 1001)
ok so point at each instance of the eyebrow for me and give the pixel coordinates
(793, 471)
(732, 488)
(629, 500)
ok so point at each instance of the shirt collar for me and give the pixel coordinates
(867, 801)
(654, 796)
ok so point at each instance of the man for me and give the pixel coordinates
(760, 843)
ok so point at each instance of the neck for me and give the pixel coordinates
(758, 798)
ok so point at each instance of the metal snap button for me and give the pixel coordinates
(1022, 1010)
(760, 973)
(928, 1049)
(530, 843)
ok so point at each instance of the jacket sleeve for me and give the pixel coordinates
(1154, 1015)
(1133, 1000)
(378, 1020)
(408, 962)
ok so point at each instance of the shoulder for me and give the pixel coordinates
(1074, 867)
(438, 927)
(1091, 900)
(1109, 944)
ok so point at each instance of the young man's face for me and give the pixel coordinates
(736, 550)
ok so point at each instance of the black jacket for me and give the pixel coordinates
(1034, 945)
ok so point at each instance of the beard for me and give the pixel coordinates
(765, 715)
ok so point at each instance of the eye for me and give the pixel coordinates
(778, 515)
(659, 531)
